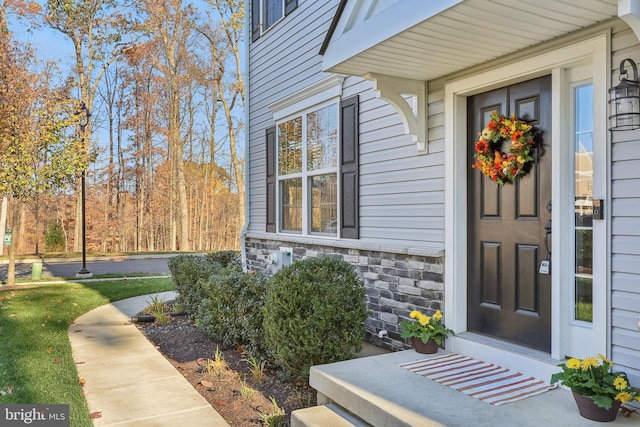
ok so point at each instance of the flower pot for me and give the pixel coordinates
(429, 348)
(588, 409)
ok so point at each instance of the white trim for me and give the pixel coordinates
(414, 115)
(595, 51)
(358, 37)
(247, 141)
(316, 93)
(629, 11)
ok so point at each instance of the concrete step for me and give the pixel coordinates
(325, 416)
(380, 393)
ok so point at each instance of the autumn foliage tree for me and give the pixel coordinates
(162, 81)
(95, 28)
(40, 151)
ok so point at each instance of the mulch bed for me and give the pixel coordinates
(226, 386)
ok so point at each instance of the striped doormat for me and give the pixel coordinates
(490, 383)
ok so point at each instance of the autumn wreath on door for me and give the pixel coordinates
(504, 167)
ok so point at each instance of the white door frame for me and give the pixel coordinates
(593, 51)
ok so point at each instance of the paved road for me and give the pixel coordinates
(69, 268)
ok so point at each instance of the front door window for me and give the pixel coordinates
(583, 168)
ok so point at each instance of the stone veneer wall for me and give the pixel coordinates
(396, 283)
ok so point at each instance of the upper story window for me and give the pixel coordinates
(272, 11)
(265, 13)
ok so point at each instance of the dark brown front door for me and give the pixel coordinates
(507, 296)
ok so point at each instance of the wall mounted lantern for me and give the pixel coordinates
(624, 100)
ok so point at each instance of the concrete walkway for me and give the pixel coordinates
(127, 381)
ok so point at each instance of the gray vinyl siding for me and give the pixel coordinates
(401, 192)
(625, 225)
(294, 40)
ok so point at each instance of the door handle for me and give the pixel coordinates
(545, 265)
(547, 233)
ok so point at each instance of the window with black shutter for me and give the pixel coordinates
(315, 194)
(265, 13)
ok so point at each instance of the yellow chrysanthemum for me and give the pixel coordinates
(437, 315)
(424, 320)
(624, 397)
(620, 383)
(573, 363)
(415, 314)
(589, 362)
(605, 360)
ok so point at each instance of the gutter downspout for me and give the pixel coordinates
(247, 152)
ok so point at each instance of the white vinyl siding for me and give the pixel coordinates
(625, 225)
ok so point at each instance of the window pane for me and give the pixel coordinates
(291, 203)
(584, 116)
(290, 146)
(584, 299)
(324, 206)
(272, 12)
(322, 138)
(584, 251)
(583, 188)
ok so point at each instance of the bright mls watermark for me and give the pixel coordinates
(34, 415)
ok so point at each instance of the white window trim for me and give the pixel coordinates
(325, 92)
(579, 333)
(319, 92)
(594, 51)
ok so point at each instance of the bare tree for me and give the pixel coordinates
(95, 27)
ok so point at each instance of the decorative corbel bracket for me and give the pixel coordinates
(409, 97)
(629, 12)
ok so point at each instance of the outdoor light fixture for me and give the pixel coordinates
(84, 121)
(624, 100)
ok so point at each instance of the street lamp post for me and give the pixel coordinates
(84, 121)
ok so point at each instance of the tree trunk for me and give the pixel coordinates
(15, 206)
(3, 221)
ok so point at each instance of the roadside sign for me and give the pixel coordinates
(7, 237)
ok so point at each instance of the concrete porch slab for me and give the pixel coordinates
(381, 393)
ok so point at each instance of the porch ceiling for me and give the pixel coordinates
(466, 34)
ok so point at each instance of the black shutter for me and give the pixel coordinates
(255, 20)
(289, 6)
(271, 179)
(349, 155)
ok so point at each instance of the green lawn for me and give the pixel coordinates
(36, 365)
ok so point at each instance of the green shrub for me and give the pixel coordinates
(232, 309)
(314, 313)
(190, 273)
(225, 258)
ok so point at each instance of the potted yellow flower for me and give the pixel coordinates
(597, 390)
(426, 332)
